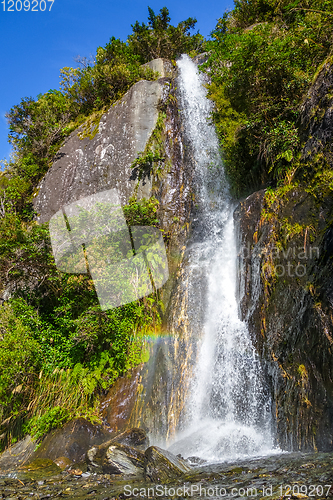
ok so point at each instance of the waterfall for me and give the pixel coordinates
(229, 407)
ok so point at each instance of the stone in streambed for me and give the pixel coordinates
(161, 465)
(115, 458)
(39, 469)
(18, 454)
(62, 462)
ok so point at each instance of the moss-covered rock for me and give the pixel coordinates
(286, 298)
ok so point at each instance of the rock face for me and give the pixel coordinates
(136, 438)
(118, 405)
(286, 298)
(286, 288)
(87, 165)
(17, 455)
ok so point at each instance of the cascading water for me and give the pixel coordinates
(229, 411)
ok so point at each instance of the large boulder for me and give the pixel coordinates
(98, 155)
(161, 465)
(136, 438)
(115, 458)
(85, 166)
(17, 455)
(71, 442)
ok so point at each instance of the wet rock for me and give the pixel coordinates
(285, 292)
(18, 454)
(115, 458)
(195, 461)
(276, 477)
(136, 438)
(161, 465)
(39, 469)
(117, 406)
(72, 441)
(62, 462)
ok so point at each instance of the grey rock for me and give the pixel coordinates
(119, 459)
(161, 465)
(162, 66)
(71, 442)
(18, 454)
(115, 458)
(86, 166)
(136, 438)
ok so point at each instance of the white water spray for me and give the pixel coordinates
(229, 409)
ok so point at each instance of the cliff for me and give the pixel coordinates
(285, 241)
(98, 156)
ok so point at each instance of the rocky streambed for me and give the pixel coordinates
(286, 475)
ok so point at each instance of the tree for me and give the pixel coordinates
(159, 38)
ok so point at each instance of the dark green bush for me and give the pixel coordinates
(263, 59)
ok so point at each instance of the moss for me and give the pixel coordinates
(302, 372)
(149, 162)
(91, 126)
(327, 61)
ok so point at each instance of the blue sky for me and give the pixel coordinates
(36, 45)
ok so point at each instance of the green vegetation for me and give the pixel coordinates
(159, 38)
(58, 350)
(143, 165)
(263, 59)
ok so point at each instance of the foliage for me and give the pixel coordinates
(25, 254)
(36, 126)
(51, 419)
(159, 38)
(141, 212)
(19, 359)
(263, 59)
(115, 70)
(67, 355)
(143, 165)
